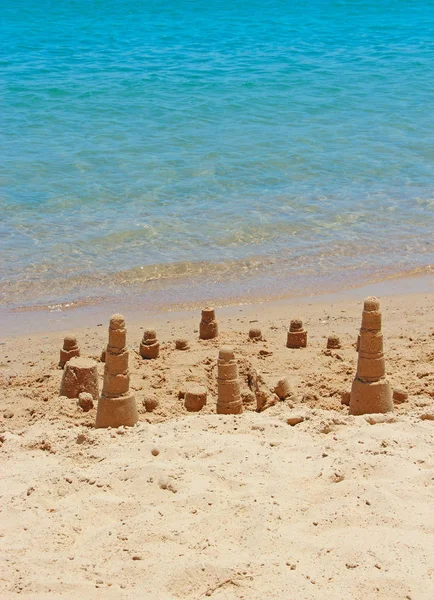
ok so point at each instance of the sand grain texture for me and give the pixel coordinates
(190, 506)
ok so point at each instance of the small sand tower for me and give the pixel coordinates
(116, 406)
(297, 336)
(229, 397)
(150, 346)
(208, 328)
(371, 392)
(69, 350)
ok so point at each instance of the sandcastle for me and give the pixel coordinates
(116, 406)
(150, 346)
(371, 392)
(297, 336)
(229, 397)
(80, 375)
(208, 328)
(69, 350)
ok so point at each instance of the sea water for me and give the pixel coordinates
(191, 147)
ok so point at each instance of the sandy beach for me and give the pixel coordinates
(195, 505)
(217, 300)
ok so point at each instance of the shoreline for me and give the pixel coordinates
(63, 316)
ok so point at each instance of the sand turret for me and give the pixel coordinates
(208, 328)
(150, 346)
(371, 392)
(297, 336)
(116, 406)
(229, 397)
(69, 350)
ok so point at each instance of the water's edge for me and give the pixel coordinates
(97, 310)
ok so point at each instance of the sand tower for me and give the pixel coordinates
(229, 397)
(371, 392)
(69, 350)
(116, 406)
(150, 346)
(297, 336)
(208, 328)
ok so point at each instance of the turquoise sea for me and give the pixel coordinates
(188, 149)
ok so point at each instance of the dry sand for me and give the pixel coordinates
(202, 505)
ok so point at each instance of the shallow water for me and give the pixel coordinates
(254, 147)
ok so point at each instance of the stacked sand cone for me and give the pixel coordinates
(116, 406)
(371, 392)
(69, 350)
(297, 335)
(229, 397)
(208, 328)
(150, 346)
